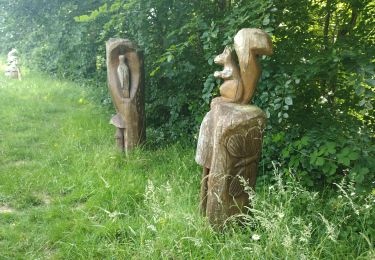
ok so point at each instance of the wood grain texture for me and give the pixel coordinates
(130, 107)
(229, 148)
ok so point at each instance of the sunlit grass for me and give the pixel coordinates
(66, 193)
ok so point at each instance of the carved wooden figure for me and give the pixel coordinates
(126, 85)
(240, 81)
(230, 137)
(12, 70)
(123, 75)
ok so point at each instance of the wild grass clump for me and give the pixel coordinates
(285, 221)
(67, 193)
(292, 221)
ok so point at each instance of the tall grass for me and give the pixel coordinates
(66, 193)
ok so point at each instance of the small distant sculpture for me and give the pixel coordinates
(12, 70)
(230, 137)
(126, 85)
(13, 53)
(123, 75)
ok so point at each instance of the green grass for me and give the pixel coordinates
(66, 193)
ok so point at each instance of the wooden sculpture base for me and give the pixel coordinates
(13, 73)
(229, 147)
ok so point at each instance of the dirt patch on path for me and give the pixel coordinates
(6, 209)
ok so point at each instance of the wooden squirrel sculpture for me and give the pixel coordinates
(240, 79)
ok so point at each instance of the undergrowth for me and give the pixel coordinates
(67, 193)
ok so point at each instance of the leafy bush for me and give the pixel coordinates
(323, 157)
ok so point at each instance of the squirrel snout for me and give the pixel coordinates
(218, 59)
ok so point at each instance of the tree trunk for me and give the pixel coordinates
(326, 24)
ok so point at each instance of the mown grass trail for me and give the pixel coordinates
(64, 189)
(66, 193)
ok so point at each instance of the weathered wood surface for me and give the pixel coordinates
(129, 100)
(229, 147)
(230, 138)
(240, 79)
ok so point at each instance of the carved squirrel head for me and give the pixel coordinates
(224, 57)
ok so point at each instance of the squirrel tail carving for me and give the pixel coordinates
(248, 44)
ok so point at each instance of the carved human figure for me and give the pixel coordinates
(124, 77)
(230, 137)
(13, 70)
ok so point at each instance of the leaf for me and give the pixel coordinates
(369, 106)
(371, 82)
(364, 171)
(305, 140)
(269, 29)
(313, 158)
(346, 161)
(345, 151)
(360, 90)
(268, 113)
(331, 147)
(319, 161)
(289, 101)
(154, 71)
(93, 15)
(353, 156)
(266, 20)
(359, 178)
(265, 73)
(329, 168)
(343, 159)
(169, 57)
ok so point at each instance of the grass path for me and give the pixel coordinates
(63, 186)
(66, 193)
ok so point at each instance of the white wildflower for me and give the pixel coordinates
(255, 237)
(152, 228)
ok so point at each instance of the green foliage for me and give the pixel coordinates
(48, 38)
(328, 159)
(319, 83)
